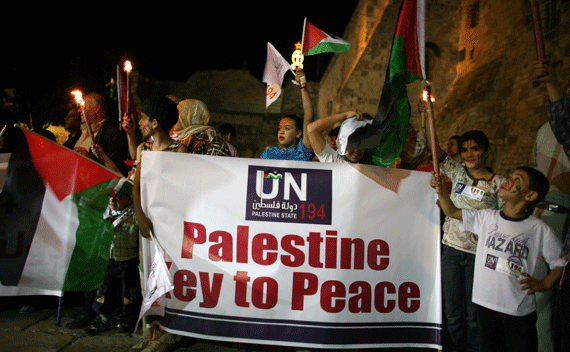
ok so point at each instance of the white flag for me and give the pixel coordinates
(158, 283)
(275, 68)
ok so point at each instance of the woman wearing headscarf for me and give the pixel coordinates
(194, 129)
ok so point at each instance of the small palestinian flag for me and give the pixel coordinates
(316, 41)
(273, 175)
(53, 235)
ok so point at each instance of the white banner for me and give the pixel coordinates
(296, 253)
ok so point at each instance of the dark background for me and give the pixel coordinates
(50, 51)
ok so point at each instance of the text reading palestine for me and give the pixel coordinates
(340, 252)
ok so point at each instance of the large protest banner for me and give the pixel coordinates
(296, 253)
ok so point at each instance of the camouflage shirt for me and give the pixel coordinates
(483, 196)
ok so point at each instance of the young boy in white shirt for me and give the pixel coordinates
(511, 241)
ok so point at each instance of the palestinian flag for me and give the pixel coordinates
(53, 237)
(385, 136)
(316, 41)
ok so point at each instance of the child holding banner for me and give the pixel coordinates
(158, 116)
(293, 144)
(511, 243)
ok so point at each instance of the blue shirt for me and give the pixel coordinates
(559, 118)
(298, 152)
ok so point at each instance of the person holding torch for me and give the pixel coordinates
(108, 144)
(473, 187)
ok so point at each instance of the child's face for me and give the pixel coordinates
(516, 185)
(118, 203)
(355, 155)
(288, 134)
(452, 148)
(333, 142)
(145, 126)
(474, 156)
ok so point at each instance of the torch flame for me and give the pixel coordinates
(78, 97)
(128, 66)
(425, 96)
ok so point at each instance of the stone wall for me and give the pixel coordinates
(235, 97)
(480, 56)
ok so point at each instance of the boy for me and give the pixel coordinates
(324, 150)
(293, 129)
(510, 243)
(121, 285)
(158, 116)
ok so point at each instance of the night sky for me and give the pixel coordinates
(50, 54)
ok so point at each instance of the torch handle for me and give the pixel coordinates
(119, 95)
(433, 137)
(128, 94)
(88, 125)
(539, 40)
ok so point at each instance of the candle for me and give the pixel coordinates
(128, 68)
(79, 101)
(539, 41)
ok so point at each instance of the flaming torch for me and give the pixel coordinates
(431, 124)
(81, 103)
(128, 68)
(425, 95)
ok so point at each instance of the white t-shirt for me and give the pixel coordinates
(506, 248)
(329, 155)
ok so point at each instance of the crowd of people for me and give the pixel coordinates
(486, 310)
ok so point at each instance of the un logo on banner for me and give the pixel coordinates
(289, 195)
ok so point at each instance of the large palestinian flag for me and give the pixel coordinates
(53, 237)
(385, 136)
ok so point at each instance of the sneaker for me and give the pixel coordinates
(29, 308)
(79, 322)
(140, 346)
(98, 326)
(164, 344)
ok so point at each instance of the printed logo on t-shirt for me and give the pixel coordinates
(512, 266)
(515, 246)
(491, 261)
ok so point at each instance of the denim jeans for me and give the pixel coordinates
(457, 269)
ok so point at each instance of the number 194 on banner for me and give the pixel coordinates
(289, 195)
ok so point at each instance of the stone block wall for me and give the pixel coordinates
(480, 56)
